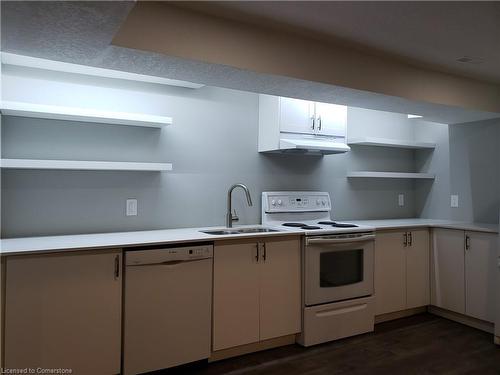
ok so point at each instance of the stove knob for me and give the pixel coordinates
(280, 202)
(273, 202)
(318, 202)
(323, 202)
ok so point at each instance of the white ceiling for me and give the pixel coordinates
(429, 33)
(81, 32)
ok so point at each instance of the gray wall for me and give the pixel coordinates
(466, 162)
(212, 144)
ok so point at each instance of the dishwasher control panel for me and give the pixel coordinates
(199, 251)
(168, 254)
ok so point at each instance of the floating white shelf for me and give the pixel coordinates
(406, 175)
(83, 114)
(59, 66)
(386, 142)
(84, 165)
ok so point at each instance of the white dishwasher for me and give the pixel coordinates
(167, 307)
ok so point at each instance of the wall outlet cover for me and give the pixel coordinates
(401, 200)
(454, 200)
(131, 207)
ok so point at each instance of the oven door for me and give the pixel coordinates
(338, 269)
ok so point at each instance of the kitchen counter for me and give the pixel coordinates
(433, 223)
(26, 245)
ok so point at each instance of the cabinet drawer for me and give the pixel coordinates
(337, 320)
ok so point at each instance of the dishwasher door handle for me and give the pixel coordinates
(329, 241)
(170, 263)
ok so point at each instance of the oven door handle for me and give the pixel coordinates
(328, 241)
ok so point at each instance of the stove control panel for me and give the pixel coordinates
(295, 201)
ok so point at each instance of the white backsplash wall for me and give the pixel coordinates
(379, 124)
(433, 199)
(466, 162)
(212, 144)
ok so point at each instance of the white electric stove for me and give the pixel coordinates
(337, 265)
(307, 211)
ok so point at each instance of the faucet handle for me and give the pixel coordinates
(235, 217)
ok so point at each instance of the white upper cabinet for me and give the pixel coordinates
(330, 119)
(305, 117)
(296, 116)
(301, 126)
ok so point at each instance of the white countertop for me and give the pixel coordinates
(26, 245)
(433, 223)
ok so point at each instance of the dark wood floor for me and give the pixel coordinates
(422, 344)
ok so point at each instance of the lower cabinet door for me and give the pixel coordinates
(417, 269)
(280, 302)
(390, 272)
(236, 295)
(64, 311)
(480, 275)
(448, 270)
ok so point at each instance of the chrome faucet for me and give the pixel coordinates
(229, 216)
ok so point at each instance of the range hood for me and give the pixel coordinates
(312, 146)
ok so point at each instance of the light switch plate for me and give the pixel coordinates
(454, 200)
(401, 200)
(131, 207)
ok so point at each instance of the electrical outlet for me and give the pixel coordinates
(401, 200)
(131, 207)
(454, 200)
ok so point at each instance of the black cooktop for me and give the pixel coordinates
(338, 225)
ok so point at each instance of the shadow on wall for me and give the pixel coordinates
(474, 170)
(298, 163)
(290, 171)
(375, 184)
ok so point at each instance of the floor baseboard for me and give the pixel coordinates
(399, 314)
(463, 319)
(251, 348)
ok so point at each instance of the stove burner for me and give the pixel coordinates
(338, 225)
(342, 225)
(298, 225)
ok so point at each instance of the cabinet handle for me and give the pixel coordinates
(467, 243)
(312, 122)
(405, 239)
(257, 246)
(117, 267)
(264, 255)
(319, 123)
(410, 238)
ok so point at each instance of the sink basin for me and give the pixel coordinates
(221, 232)
(257, 230)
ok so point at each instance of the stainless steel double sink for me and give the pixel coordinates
(222, 232)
